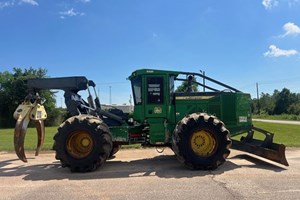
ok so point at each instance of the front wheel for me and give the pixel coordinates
(201, 141)
(83, 143)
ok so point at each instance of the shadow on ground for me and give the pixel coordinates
(258, 163)
(164, 166)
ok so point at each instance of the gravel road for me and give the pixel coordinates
(146, 174)
(277, 121)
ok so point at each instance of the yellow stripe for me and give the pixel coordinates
(194, 97)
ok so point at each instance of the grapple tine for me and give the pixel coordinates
(19, 137)
(24, 113)
(40, 135)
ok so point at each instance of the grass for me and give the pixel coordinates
(284, 133)
(7, 139)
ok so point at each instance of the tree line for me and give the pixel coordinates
(280, 102)
(13, 90)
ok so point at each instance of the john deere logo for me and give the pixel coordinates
(157, 110)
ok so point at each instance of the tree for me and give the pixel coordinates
(255, 106)
(294, 108)
(283, 100)
(279, 102)
(184, 86)
(13, 90)
(267, 103)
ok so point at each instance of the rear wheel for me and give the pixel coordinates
(201, 141)
(114, 150)
(83, 143)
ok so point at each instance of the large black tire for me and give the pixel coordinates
(201, 141)
(83, 143)
(114, 150)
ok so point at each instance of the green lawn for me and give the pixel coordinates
(285, 134)
(7, 139)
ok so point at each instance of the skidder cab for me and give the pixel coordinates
(198, 126)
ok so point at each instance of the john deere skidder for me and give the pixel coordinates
(197, 126)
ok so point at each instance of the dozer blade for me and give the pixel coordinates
(265, 149)
(40, 128)
(19, 137)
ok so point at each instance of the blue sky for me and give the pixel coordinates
(239, 42)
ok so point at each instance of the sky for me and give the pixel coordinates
(238, 42)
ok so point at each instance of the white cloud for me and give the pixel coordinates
(290, 29)
(276, 52)
(269, 4)
(70, 13)
(84, 1)
(31, 2)
(12, 3)
(6, 4)
(293, 2)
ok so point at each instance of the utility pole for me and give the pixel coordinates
(110, 95)
(257, 93)
(130, 103)
(203, 73)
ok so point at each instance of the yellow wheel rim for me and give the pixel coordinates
(80, 144)
(203, 143)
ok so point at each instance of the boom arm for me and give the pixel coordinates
(73, 84)
(75, 104)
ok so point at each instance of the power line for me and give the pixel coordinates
(295, 79)
(113, 83)
(268, 82)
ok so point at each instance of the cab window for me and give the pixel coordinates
(137, 90)
(155, 93)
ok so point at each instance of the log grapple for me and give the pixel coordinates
(29, 110)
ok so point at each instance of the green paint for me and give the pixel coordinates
(158, 108)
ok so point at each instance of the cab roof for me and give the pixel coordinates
(154, 72)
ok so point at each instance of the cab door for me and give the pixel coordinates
(155, 107)
(155, 96)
